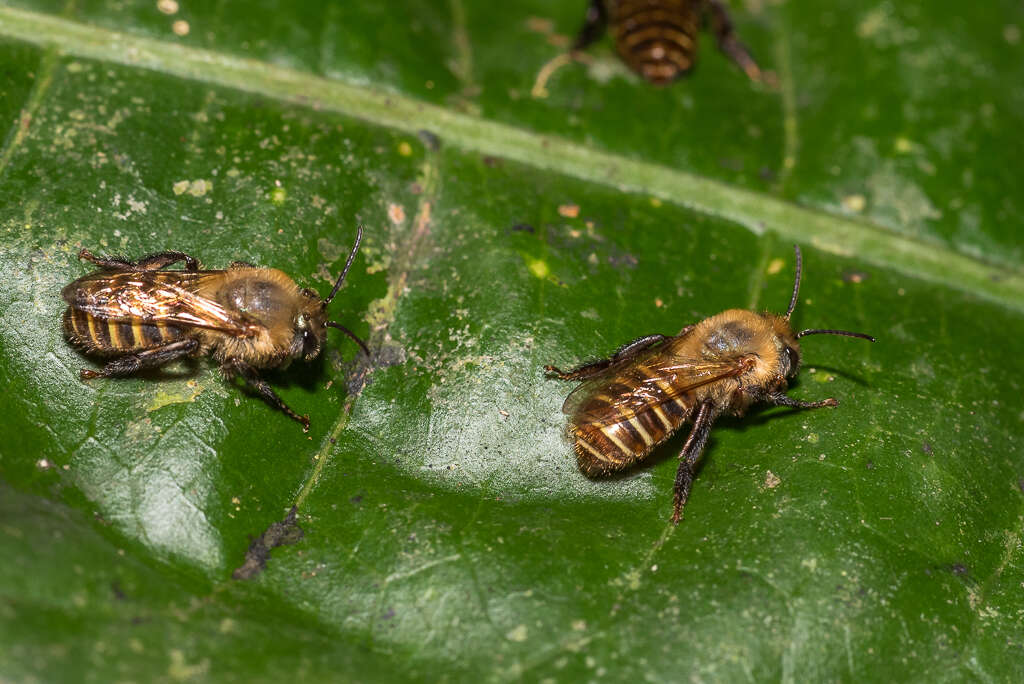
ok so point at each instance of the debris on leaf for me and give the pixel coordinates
(278, 534)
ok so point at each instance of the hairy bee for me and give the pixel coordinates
(635, 400)
(246, 317)
(658, 38)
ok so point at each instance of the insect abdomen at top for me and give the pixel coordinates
(656, 38)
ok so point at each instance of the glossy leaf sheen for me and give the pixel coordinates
(447, 531)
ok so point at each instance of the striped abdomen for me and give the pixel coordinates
(656, 38)
(613, 444)
(106, 336)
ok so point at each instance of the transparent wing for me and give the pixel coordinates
(633, 386)
(156, 297)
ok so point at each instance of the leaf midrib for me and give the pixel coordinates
(756, 211)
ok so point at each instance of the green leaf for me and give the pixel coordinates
(446, 531)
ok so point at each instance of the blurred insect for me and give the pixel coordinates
(658, 38)
(638, 398)
(246, 317)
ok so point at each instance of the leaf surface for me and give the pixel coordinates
(446, 528)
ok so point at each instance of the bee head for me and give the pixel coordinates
(786, 345)
(310, 325)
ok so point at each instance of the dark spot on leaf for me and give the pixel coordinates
(389, 355)
(357, 499)
(870, 465)
(959, 569)
(278, 534)
(522, 228)
(491, 162)
(767, 174)
(115, 587)
(927, 448)
(432, 142)
(627, 260)
(388, 615)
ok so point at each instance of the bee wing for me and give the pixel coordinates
(156, 297)
(630, 388)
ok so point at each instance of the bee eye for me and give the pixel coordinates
(310, 294)
(310, 344)
(793, 358)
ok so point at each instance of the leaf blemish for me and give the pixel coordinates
(196, 188)
(396, 214)
(278, 534)
(164, 398)
(538, 268)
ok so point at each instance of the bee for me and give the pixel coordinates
(246, 317)
(635, 400)
(658, 38)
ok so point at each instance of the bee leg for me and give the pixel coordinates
(593, 25)
(638, 345)
(594, 367)
(240, 264)
(146, 263)
(689, 456)
(783, 400)
(163, 259)
(729, 43)
(151, 358)
(233, 366)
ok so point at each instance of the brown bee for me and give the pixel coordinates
(638, 398)
(658, 38)
(246, 317)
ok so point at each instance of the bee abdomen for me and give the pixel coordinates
(602, 449)
(116, 337)
(657, 38)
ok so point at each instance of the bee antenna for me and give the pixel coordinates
(844, 333)
(344, 272)
(351, 334)
(796, 283)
